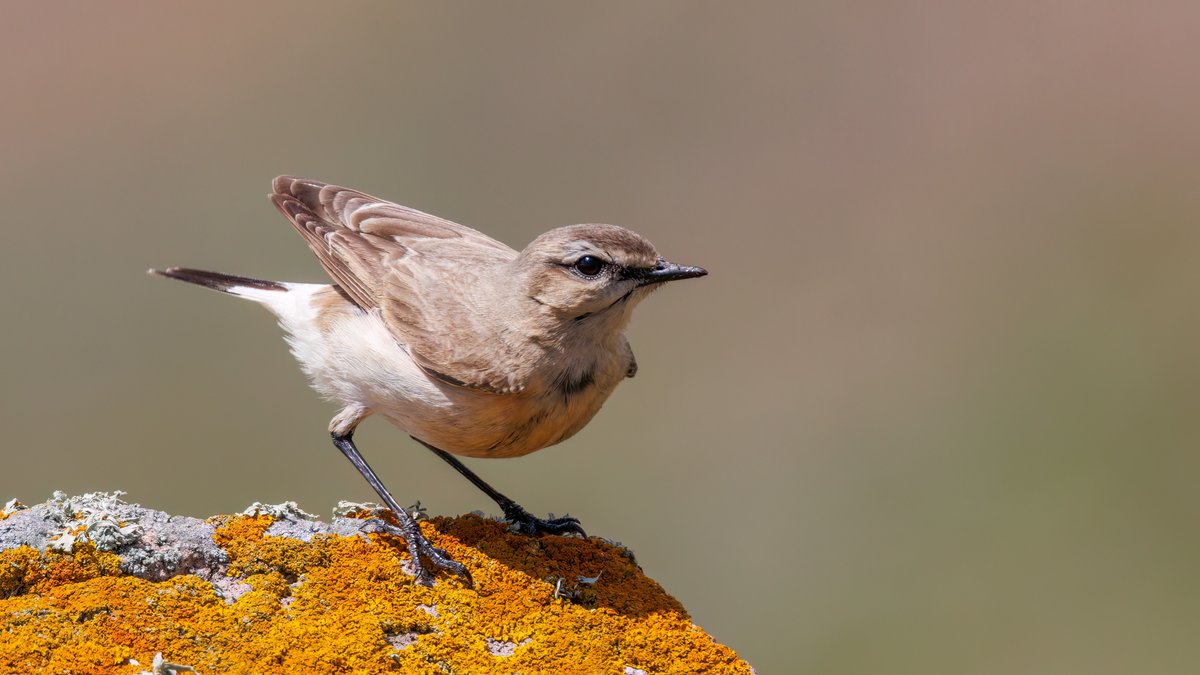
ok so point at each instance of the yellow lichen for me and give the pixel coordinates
(345, 604)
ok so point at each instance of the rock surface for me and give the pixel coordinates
(92, 584)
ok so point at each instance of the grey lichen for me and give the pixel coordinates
(151, 544)
(154, 545)
(505, 647)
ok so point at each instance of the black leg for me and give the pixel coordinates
(418, 545)
(513, 512)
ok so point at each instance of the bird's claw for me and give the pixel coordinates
(418, 547)
(525, 522)
(439, 558)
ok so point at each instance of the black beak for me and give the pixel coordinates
(665, 271)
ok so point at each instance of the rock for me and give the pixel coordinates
(94, 584)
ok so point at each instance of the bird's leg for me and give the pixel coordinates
(524, 521)
(418, 545)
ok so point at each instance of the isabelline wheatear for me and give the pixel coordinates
(467, 345)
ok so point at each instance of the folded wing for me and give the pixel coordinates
(425, 275)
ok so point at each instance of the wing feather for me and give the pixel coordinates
(420, 271)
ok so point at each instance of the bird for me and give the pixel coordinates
(469, 346)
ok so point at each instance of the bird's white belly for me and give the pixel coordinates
(353, 359)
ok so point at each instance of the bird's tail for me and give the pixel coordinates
(254, 289)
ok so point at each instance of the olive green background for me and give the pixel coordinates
(933, 411)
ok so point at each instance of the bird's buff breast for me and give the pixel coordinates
(354, 359)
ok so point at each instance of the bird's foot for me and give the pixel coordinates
(525, 522)
(419, 547)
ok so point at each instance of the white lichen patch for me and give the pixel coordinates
(101, 518)
(161, 667)
(283, 511)
(345, 508)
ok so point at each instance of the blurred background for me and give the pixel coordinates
(935, 410)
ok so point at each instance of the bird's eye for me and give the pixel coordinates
(589, 265)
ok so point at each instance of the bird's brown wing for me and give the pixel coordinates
(421, 272)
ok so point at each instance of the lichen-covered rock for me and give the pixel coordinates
(94, 585)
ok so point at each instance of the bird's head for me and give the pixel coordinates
(594, 274)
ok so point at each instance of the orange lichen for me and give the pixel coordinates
(24, 570)
(346, 604)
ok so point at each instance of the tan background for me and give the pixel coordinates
(934, 410)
